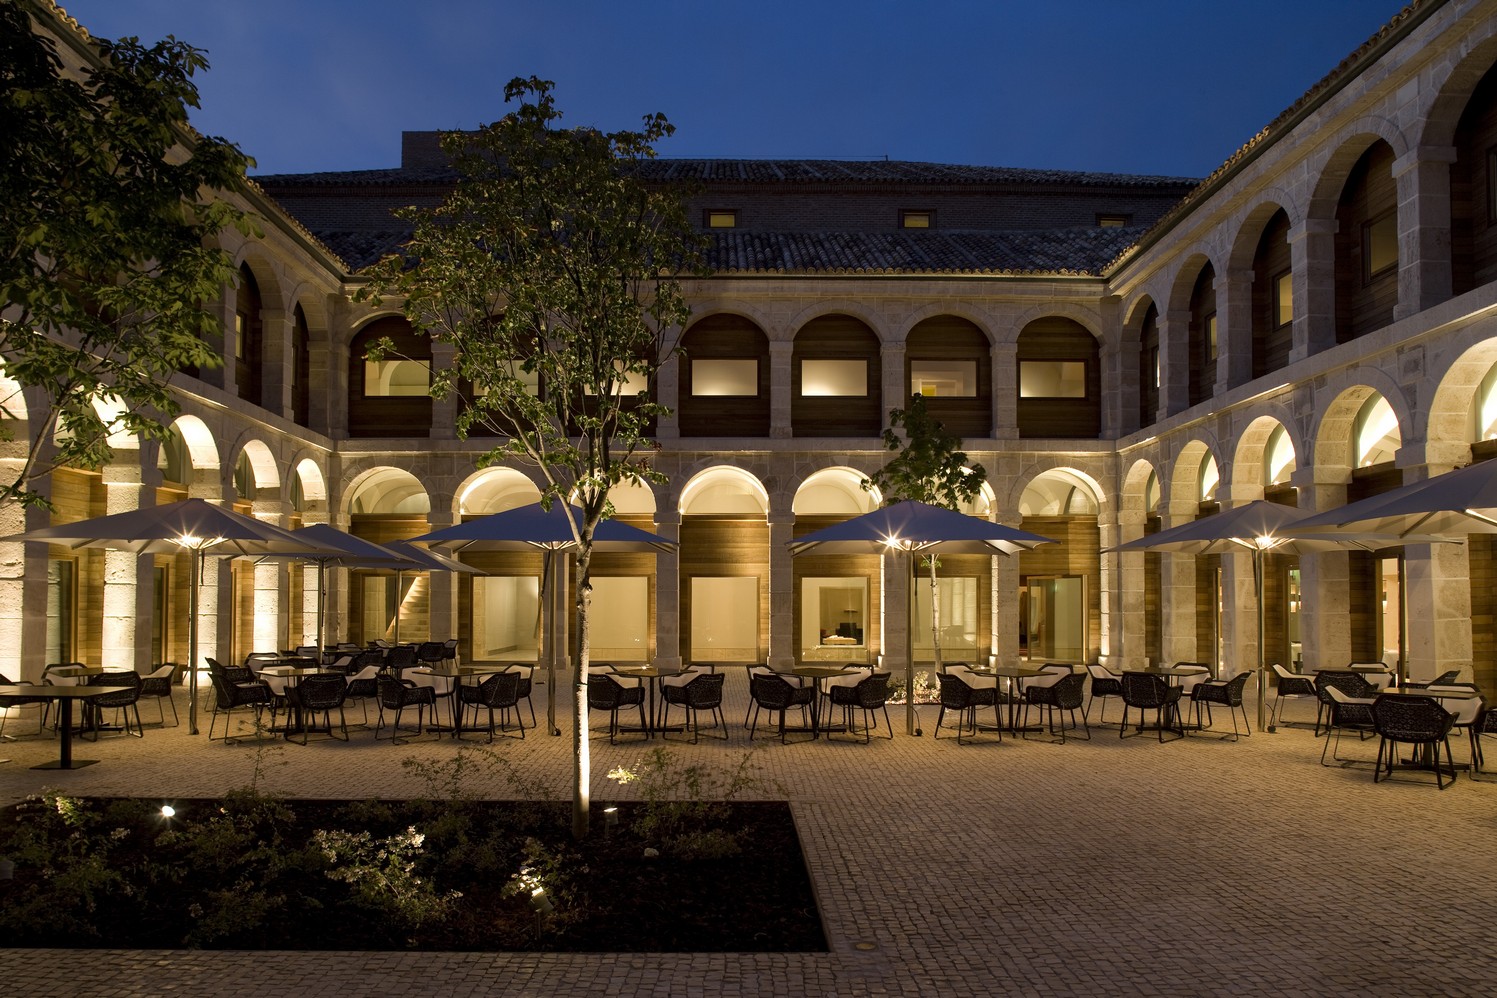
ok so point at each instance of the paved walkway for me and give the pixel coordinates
(1104, 867)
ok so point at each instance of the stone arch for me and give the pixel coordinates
(1477, 55)
(1058, 488)
(1248, 459)
(833, 491)
(1084, 317)
(1250, 227)
(384, 490)
(1185, 470)
(1344, 152)
(263, 464)
(962, 310)
(494, 490)
(1133, 501)
(1334, 457)
(1452, 409)
(723, 490)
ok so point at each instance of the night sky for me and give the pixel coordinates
(1168, 87)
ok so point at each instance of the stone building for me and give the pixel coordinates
(1312, 323)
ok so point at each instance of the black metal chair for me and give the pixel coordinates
(604, 693)
(429, 652)
(397, 696)
(526, 674)
(774, 695)
(966, 701)
(363, 686)
(234, 688)
(1348, 682)
(1105, 683)
(500, 692)
(1413, 720)
(870, 695)
(1223, 693)
(158, 686)
(1347, 714)
(1145, 692)
(320, 695)
(705, 692)
(1064, 695)
(1295, 687)
(21, 700)
(125, 701)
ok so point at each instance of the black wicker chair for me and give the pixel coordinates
(158, 686)
(21, 700)
(871, 695)
(363, 686)
(1295, 687)
(527, 682)
(400, 658)
(705, 692)
(1223, 693)
(1105, 683)
(125, 701)
(1413, 720)
(774, 695)
(397, 696)
(234, 688)
(605, 693)
(500, 692)
(320, 695)
(429, 652)
(1062, 696)
(1347, 714)
(965, 701)
(1145, 692)
(1350, 683)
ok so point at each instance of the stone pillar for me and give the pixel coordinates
(126, 634)
(276, 363)
(668, 394)
(443, 410)
(1234, 329)
(896, 386)
(221, 342)
(271, 619)
(1119, 374)
(781, 358)
(1424, 264)
(1123, 640)
(1312, 256)
(668, 650)
(1174, 362)
(16, 569)
(215, 587)
(1325, 584)
(781, 586)
(1437, 583)
(1108, 582)
(1005, 359)
(327, 371)
(442, 589)
(894, 614)
(1179, 595)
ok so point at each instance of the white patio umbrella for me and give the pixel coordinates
(192, 525)
(911, 528)
(1258, 527)
(535, 528)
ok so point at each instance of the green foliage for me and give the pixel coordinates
(382, 874)
(924, 692)
(684, 806)
(929, 465)
(108, 241)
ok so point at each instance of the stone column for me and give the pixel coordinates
(442, 588)
(1312, 256)
(1424, 265)
(278, 357)
(894, 614)
(1437, 583)
(1179, 595)
(1108, 585)
(896, 386)
(444, 410)
(1234, 329)
(272, 621)
(668, 651)
(1118, 374)
(781, 357)
(126, 635)
(1124, 640)
(781, 586)
(327, 371)
(1005, 359)
(1324, 582)
(1174, 362)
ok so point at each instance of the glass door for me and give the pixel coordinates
(1054, 618)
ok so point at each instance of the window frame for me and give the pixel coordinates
(1276, 283)
(1085, 366)
(908, 215)
(865, 393)
(1369, 275)
(1113, 220)
(709, 214)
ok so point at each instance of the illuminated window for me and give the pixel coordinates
(722, 376)
(834, 613)
(634, 383)
(530, 379)
(1052, 379)
(943, 378)
(391, 378)
(820, 378)
(1380, 245)
(917, 219)
(722, 219)
(1209, 480)
(1154, 365)
(1278, 458)
(1377, 436)
(1211, 337)
(504, 615)
(1113, 221)
(239, 335)
(1492, 186)
(1283, 297)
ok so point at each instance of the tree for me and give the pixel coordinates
(928, 468)
(108, 226)
(552, 269)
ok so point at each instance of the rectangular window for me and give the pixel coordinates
(725, 619)
(1283, 298)
(958, 620)
(722, 219)
(943, 378)
(506, 620)
(1113, 221)
(1492, 186)
(239, 335)
(1052, 379)
(917, 219)
(1154, 365)
(834, 616)
(634, 383)
(1380, 245)
(393, 378)
(62, 601)
(1210, 338)
(621, 618)
(842, 378)
(531, 380)
(725, 376)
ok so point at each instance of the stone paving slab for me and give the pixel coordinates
(1197, 867)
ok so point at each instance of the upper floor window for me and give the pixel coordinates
(841, 378)
(390, 378)
(1114, 221)
(1380, 244)
(1052, 379)
(725, 376)
(1211, 337)
(1283, 299)
(917, 219)
(943, 378)
(240, 321)
(722, 218)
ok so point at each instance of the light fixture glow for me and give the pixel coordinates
(167, 811)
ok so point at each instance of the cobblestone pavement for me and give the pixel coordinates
(1197, 867)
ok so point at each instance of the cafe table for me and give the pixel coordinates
(455, 674)
(293, 675)
(652, 674)
(1015, 674)
(819, 674)
(64, 695)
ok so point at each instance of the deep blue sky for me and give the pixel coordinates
(1133, 86)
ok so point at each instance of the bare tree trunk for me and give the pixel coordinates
(581, 784)
(935, 615)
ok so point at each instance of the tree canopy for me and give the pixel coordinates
(929, 465)
(108, 252)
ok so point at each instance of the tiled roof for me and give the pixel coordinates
(1073, 252)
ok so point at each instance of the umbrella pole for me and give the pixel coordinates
(192, 644)
(553, 649)
(321, 596)
(911, 721)
(399, 599)
(1262, 651)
